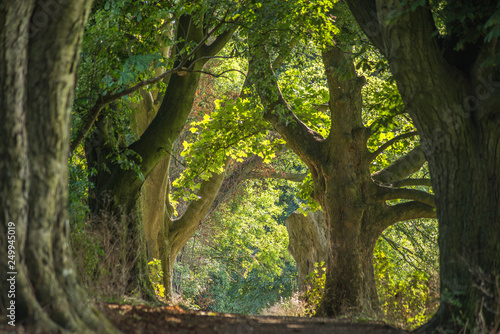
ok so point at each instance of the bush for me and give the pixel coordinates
(293, 306)
(99, 254)
(408, 297)
(315, 283)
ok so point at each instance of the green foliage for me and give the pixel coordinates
(124, 42)
(275, 23)
(127, 159)
(407, 274)
(230, 131)
(386, 116)
(305, 190)
(250, 234)
(239, 262)
(202, 281)
(304, 86)
(315, 282)
(78, 189)
(156, 278)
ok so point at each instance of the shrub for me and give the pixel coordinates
(99, 255)
(156, 277)
(315, 283)
(293, 306)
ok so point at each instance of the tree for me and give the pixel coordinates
(122, 167)
(353, 200)
(39, 54)
(445, 62)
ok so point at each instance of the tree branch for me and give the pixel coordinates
(280, 58)
(183, 228)
(407, 211)
(384, 146)
(365, 13)
(103, 100)
(401, 168)
(218, 44)
(233, 181)
(396, 246)
(412, 194)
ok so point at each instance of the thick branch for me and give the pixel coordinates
(412, 194)
(401, 168)
(233, 181)
(407, 211)
(382, 148)
(103, 100)
(344, 87)
(365, 13)
(278, 61)
(217, 45)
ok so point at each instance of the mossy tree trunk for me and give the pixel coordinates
(353, 201)
(38, 59)
(453, 97)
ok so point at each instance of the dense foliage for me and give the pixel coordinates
(238, 260)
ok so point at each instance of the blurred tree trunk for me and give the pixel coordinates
(38, 61)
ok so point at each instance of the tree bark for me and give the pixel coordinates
(453, 99)
(37, 69)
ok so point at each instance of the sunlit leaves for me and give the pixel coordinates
(306, 189)
(384, 112)
(406, 270)
(233, 130)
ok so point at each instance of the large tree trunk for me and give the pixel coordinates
(307, 242)
(122, 213)
(35, 103)
(469, 227)
(308, 245)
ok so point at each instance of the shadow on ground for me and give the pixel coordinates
(143, 319)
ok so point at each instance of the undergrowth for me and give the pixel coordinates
(100, 257)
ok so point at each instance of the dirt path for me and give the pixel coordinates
(143, 319)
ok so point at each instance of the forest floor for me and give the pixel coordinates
(137, 319)
(141, 319)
